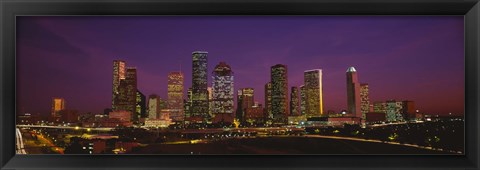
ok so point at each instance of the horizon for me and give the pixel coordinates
(72, 57)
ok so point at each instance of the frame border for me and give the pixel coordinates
(11, 8)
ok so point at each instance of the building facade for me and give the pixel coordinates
(279, 79)
(175, 96)
(245, 100)
(408, 110)
(353, 93)
(127, 98)
(364, 100)
(210, 101)
(268, 101)
(188, 103)
(314, 92)
(58, 104)
(199, 84)
(153, 106)
(394, 111)
(303, 100)
(294, 102)
(118, 75)
(141, 105)
(222, 86)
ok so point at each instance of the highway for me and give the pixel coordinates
(20, 146)
(65, 127)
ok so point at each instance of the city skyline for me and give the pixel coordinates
(382, 88)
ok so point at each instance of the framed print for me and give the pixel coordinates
(234, 85)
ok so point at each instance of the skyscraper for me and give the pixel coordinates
(245, 99)
(353, 93)
(210, 101)
(294, 102)
(127, 97)
(118, 74)
(303, 100)
(188, 103)
(58, 104)
(199, 84)
(314, 92)
(175, 96)
(222, 87)
(268, 100)
(365, 101)
(141, 105)
(153, 106)
(279, 79)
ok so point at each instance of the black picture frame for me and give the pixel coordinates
(11, 8)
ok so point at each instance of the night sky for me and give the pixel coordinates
(419, 58)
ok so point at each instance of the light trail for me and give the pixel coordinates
(65, 127)
(19, 144)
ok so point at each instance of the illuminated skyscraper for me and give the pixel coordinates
(141, 105)
(118, 74)
(210, 101)
(294, 102)
(188, 103)
(314, 92)
(127, 98)
(353, 93)
(279, 79)
(303, 100)
(365, 101)
(222, 87)
(268, 100)
(153, 106)
(199, 84)
(244, 100)
(58, 104)
(175, 96)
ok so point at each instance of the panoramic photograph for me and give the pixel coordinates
(236, 85)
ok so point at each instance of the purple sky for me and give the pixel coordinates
(419, 58)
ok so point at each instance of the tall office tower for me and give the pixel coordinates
(294, 102)
(118, 74)
(279, 79)
(210, 101)
(268, 101)
(127, 97)
(245, 100)
(394, 111)
(188, 103)
(239, 114)
(58, 104)
(364, 100)
(303, 100)
(353, 93)
(314, 92)
(153, 106)
(222, 87)
(141, 103)
(408, 110)
(175, 96)
(199, 84)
